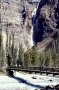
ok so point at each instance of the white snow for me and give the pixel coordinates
(40, 80)
(31, 81)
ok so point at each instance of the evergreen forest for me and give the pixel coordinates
(12, 55)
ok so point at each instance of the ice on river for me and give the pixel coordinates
(23, 81)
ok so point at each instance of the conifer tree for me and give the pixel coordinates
(10, 43)
(0, 39)
(12, 48)
(9, 50)
(2, 54)
(20, 60)
(50, 59)
(35, 56)
(2, 58)
(8, 59)
(12, 51)
(41, 59)
(27, 58)
(15, 56)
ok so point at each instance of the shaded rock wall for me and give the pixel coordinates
(47, 20)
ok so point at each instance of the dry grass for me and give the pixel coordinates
(2, 71)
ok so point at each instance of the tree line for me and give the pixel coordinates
(17, 56)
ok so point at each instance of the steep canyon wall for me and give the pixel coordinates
(16, 16)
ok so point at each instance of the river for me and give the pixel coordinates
(25, 81)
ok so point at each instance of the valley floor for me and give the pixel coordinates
(24, 81)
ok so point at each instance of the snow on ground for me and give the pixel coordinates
(8, 83)
(38, 79)
(23, 81)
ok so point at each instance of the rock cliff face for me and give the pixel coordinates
(16, 16)
(46, 22)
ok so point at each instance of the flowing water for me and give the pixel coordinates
(33, 21)
(23, 81)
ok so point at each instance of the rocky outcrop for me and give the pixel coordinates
(46, 22)
(16, 16)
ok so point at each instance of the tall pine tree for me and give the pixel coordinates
(27, 58)
(20, 60)
(12, 48)
(34, 56)
(15, 56)
(2, 54)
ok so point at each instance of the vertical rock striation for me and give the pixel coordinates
(16, 16)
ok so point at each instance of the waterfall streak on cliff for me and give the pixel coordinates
(32, 36)
(33, 21)
(33, 18)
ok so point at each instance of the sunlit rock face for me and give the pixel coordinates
(46, 20)
(16, 16)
